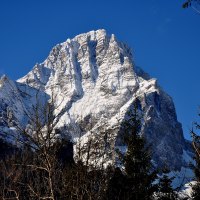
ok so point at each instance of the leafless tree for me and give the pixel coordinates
(38, 139)
(194, 4)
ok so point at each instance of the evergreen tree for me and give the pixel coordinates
(166, 191)
(138, 168)
(115, 186)
(196, 146)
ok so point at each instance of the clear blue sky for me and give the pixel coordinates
(164, 37)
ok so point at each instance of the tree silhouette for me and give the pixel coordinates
(166, 191)
(196, 146)
(194, 4)
(139, 173)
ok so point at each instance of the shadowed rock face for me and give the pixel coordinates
(94, 81)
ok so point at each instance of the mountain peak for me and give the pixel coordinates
(93, 34)
(93, 81)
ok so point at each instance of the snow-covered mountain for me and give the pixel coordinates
(94, 82)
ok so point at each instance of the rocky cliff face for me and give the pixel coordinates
(94, 81)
